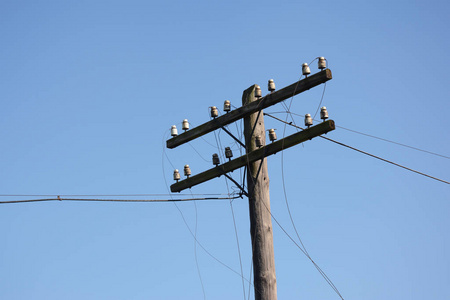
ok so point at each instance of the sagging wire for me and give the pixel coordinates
(195, 250)
(116, 200)
(302, 248)
(371, 136)
(185, 222)
(219, 146)
(369, 154)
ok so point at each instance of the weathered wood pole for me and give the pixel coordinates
(265, 282)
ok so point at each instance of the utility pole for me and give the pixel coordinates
(257, 172)
(265, 281)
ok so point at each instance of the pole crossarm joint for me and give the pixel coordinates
(246, 110)
(255, 155)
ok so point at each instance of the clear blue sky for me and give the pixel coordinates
(89, 90)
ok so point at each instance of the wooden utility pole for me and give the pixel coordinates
(265, 281)
(257, 175)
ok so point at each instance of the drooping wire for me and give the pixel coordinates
(282, 170)
(371, 136)
(321, 99)
(105, 195)
(189, 229)
(195, 250)
(327, 279)
(201, 156)
(116, 200)
(219, 146)
(372, 155)
(302, 248)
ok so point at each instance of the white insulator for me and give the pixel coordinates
(323, 113)
(227, 106)
(258, 93)
(176, 175)
(215, 159)
(308, 120)
(185, 125)
(272, 135)
(214, 112)
(322, 63)
(271, 85)
(258, 141)
(173, 131)
(305, 69)
(187, 171)
(228, 153)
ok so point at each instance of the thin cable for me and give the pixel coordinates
(238, 247)
(389, 141)
(116, 200)
(198, 153)
(369, 135)
(219, 146)
(195, 252)
(327, 279)
(321, 99)
(385, 160)
(302, 247)
(189, 229)
(106, 195)
(366, 153)
(282, 173)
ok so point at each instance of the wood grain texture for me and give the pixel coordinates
(261, 231)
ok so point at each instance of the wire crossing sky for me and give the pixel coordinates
(89, 91)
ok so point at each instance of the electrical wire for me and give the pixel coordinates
(219, 146)
(190, 230)
(321, 99)
(260, 207)
(371, 136)
(302, 247)
(195, 251)
(201, 156)
(116, 200)
(366, 153)
(105, 195)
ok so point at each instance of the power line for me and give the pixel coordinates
(105, 195)
(366, 153)
(189, 229)
(369, 135)
(302, 247)
(117, 200)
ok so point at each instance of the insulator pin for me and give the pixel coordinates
(176, 175)
(187, 171)
(214, 112)
(258, 92)
(272, 135)
(308, 120)
(305, 69)
(271, 85)
(228, 153)
(173, 131)
(323, 113)
(185, 125)
(322, 63)
(258, 141)
(227, 106)
(215, 159)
